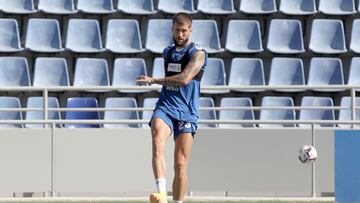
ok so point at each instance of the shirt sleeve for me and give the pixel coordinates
(194, 49)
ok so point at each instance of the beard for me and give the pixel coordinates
(180, 45)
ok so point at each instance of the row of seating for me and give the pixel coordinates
(14, 71)
(285, 36)
(146, 7)
(36, 113)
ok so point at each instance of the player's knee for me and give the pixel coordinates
(180, 167)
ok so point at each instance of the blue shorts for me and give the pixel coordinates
(179, 127)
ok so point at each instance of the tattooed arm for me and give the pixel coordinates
(181, 79)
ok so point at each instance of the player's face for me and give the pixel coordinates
(181, 33)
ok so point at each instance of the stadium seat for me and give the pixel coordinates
(298, 7)
(84, 36)
(61, 7)
(148, 103)
(91, 72)
(207, 114)
(214, 75)
(14, 71)
(316, 114)
(158, 70)
(158, 35)
(258, 6)
(345, 114)
(216, 6)
(176, 6)
(243, 36)
(125, 72)
(6, 103)
(95, 6)
(205, 33)
(82, 102)
(43, 35)
(241, 114)
(137, 7)
(123, 36)
(285, 37)
(355, 37)
(50, 72)
(323, 43)
(17, 6)
(277, 114)
(287, 71)
(326, 71)
(124, 102)
(9, 36)
(354, 72)
(38, 102)
(337, 7)
(247, 72)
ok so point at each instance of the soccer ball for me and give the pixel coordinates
(307, 154)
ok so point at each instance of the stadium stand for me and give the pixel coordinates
(82, 102)
(95, 6)
(298, 7)
(148, 103)
(345, 114)
(91, 72)
(123, 102)
(205, 32)
(354, 72)
(158, 36)
(217, 7)
(337, 7)
(316, 113)
(136, 7)
(241, 114)
(59, 7)
(43, 35)
(50, 72)
(10, 102)
(258, 6)
(9, 36)
(214, 75)
(247, 72)
(14, 71)
(175, 6)
(38, 102)
(355, 38)
(17, 6)
(158, 69)
(207, 114)
(277, 114)
(243, 36)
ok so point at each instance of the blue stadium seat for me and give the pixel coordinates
(322, 42)
(241, 114)
(148, 103)
(285, 37)
(205, 32)
(137, 7)
(6, 103)
(82, 102)
(50, 72)
(277, 114)
(243, 36)
(326, 71)
(258, 6)
(43, 35)
(124, 102)
(214, 75)
(38, 102)
(355, 37)
(354, 72)
(287, 71)
(216, 6)
(207, 114)
(61, 7)
(316, 114)
(158, 70)
(84, 36)
(176, 6)
(345, 114)
(9, 36)
(125, 72)
(247, 72)
(91, 72)
(337, 7)
(95, 6)
(123, 36)
(14, 71)
(298, 7)
(17, 6)
(158, 35)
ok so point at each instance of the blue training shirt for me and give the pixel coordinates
(181, 103)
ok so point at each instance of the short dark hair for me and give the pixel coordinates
(182, 18)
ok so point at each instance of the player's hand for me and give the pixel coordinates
(144, 79)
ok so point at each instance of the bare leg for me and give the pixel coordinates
(183, 144)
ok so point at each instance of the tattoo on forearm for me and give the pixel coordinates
(170, 81)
